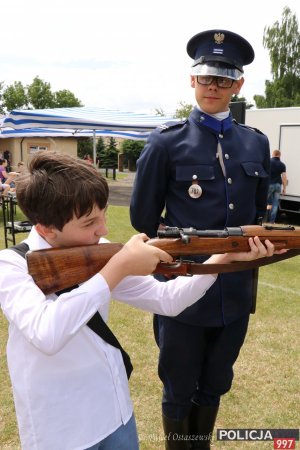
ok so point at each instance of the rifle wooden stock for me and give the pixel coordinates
(55, 269)
(58, 268)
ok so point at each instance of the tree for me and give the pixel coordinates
(65, 99)
(2, 111)
(283, 43)
(183, 111)
(85, 146)
(40, 95)
(110, 155)
(15, 96)
(159, 112)
(100, 150)
(132, 150)
(37, 95)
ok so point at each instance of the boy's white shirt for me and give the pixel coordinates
(70, 387)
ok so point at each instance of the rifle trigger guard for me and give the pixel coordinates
(181, 261)
(177, 263)
(178, 267)
(174, 265)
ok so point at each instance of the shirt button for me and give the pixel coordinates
(256, 173)
(229, 180)
(226, 156)
(231, 206)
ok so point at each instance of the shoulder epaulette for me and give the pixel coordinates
(171, 125)
(248, 127)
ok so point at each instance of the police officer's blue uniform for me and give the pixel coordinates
(230, 163)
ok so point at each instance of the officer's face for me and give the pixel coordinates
(213, 99)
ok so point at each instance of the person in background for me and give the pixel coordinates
(70, 377)
(277, 186)
(4, 188)
(7, 156)
(88, 158)
(13, 175)
(3, 170)
(207, 172)
(4, 174)
(6, 177)
(20, 167)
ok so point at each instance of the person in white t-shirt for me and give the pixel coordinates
(70, 386)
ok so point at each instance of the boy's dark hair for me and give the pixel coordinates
(57, 186)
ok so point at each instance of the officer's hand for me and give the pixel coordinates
(258, 250)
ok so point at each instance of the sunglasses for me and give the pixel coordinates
(221, 82)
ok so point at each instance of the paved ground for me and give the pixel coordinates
(120, 189)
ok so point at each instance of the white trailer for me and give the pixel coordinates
(282, 126)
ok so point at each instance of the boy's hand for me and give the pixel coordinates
(143, 258)
(135, 258)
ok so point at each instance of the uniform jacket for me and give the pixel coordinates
(175, 153)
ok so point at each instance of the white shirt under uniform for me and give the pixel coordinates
(70, 387)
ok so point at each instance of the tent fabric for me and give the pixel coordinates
(52, 132)
(83, 118)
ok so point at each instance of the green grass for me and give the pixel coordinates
(265, 392)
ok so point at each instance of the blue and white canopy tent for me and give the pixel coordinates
(79, 118)
(61, 132)
(102, 122)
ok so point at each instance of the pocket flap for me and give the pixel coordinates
(254, 169)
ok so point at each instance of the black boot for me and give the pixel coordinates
(202, 421)
(175, 433)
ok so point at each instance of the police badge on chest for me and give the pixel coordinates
(195, 191)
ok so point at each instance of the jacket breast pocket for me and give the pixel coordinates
(204, 172)
(254, 169)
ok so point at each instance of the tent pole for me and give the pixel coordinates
(94, 147)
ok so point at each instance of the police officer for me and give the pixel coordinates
(207, 172)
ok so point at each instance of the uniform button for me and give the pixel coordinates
(256, 173)
(229, 181)
(231, 206)
(226, 156)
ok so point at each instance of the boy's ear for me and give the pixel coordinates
(45, 232)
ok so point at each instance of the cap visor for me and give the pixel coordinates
(217, 71)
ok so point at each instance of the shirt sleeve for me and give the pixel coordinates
(166, 298)
(48, 322)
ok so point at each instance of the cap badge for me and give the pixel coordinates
(219, 38)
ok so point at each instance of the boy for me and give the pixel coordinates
(70, 386)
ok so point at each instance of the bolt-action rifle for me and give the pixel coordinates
(56, 269)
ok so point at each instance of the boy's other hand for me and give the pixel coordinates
(135, 258)
(144, 258)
